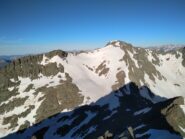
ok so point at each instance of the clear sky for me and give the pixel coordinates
(34, 26)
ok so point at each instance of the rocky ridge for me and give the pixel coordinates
(134, 116)
(36, 87)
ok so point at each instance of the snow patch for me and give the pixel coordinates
(44, 60)
(10, 88)
(142, 111)
(140, 126)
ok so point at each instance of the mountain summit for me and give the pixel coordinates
(79, 90)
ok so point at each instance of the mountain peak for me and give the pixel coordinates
(58, 52)
(119, 43)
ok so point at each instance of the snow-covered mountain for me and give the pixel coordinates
(115, 91)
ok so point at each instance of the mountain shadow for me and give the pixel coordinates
(130, 112)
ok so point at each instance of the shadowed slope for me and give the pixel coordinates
(121, 113)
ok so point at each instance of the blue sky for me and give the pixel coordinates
(34, 26)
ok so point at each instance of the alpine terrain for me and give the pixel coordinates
(115, 92)
(4, 60)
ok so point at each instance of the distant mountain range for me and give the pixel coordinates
(4, 60)
(114, 92)
(166, 48)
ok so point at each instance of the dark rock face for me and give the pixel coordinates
(123, 121)
(27, 66)
(120, 80)
(102, 69)
(56, 99)
(52, 69)
(60, 53)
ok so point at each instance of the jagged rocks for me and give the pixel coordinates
(126, 134)
(174, 115)
(107, 135)
(29, 66)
